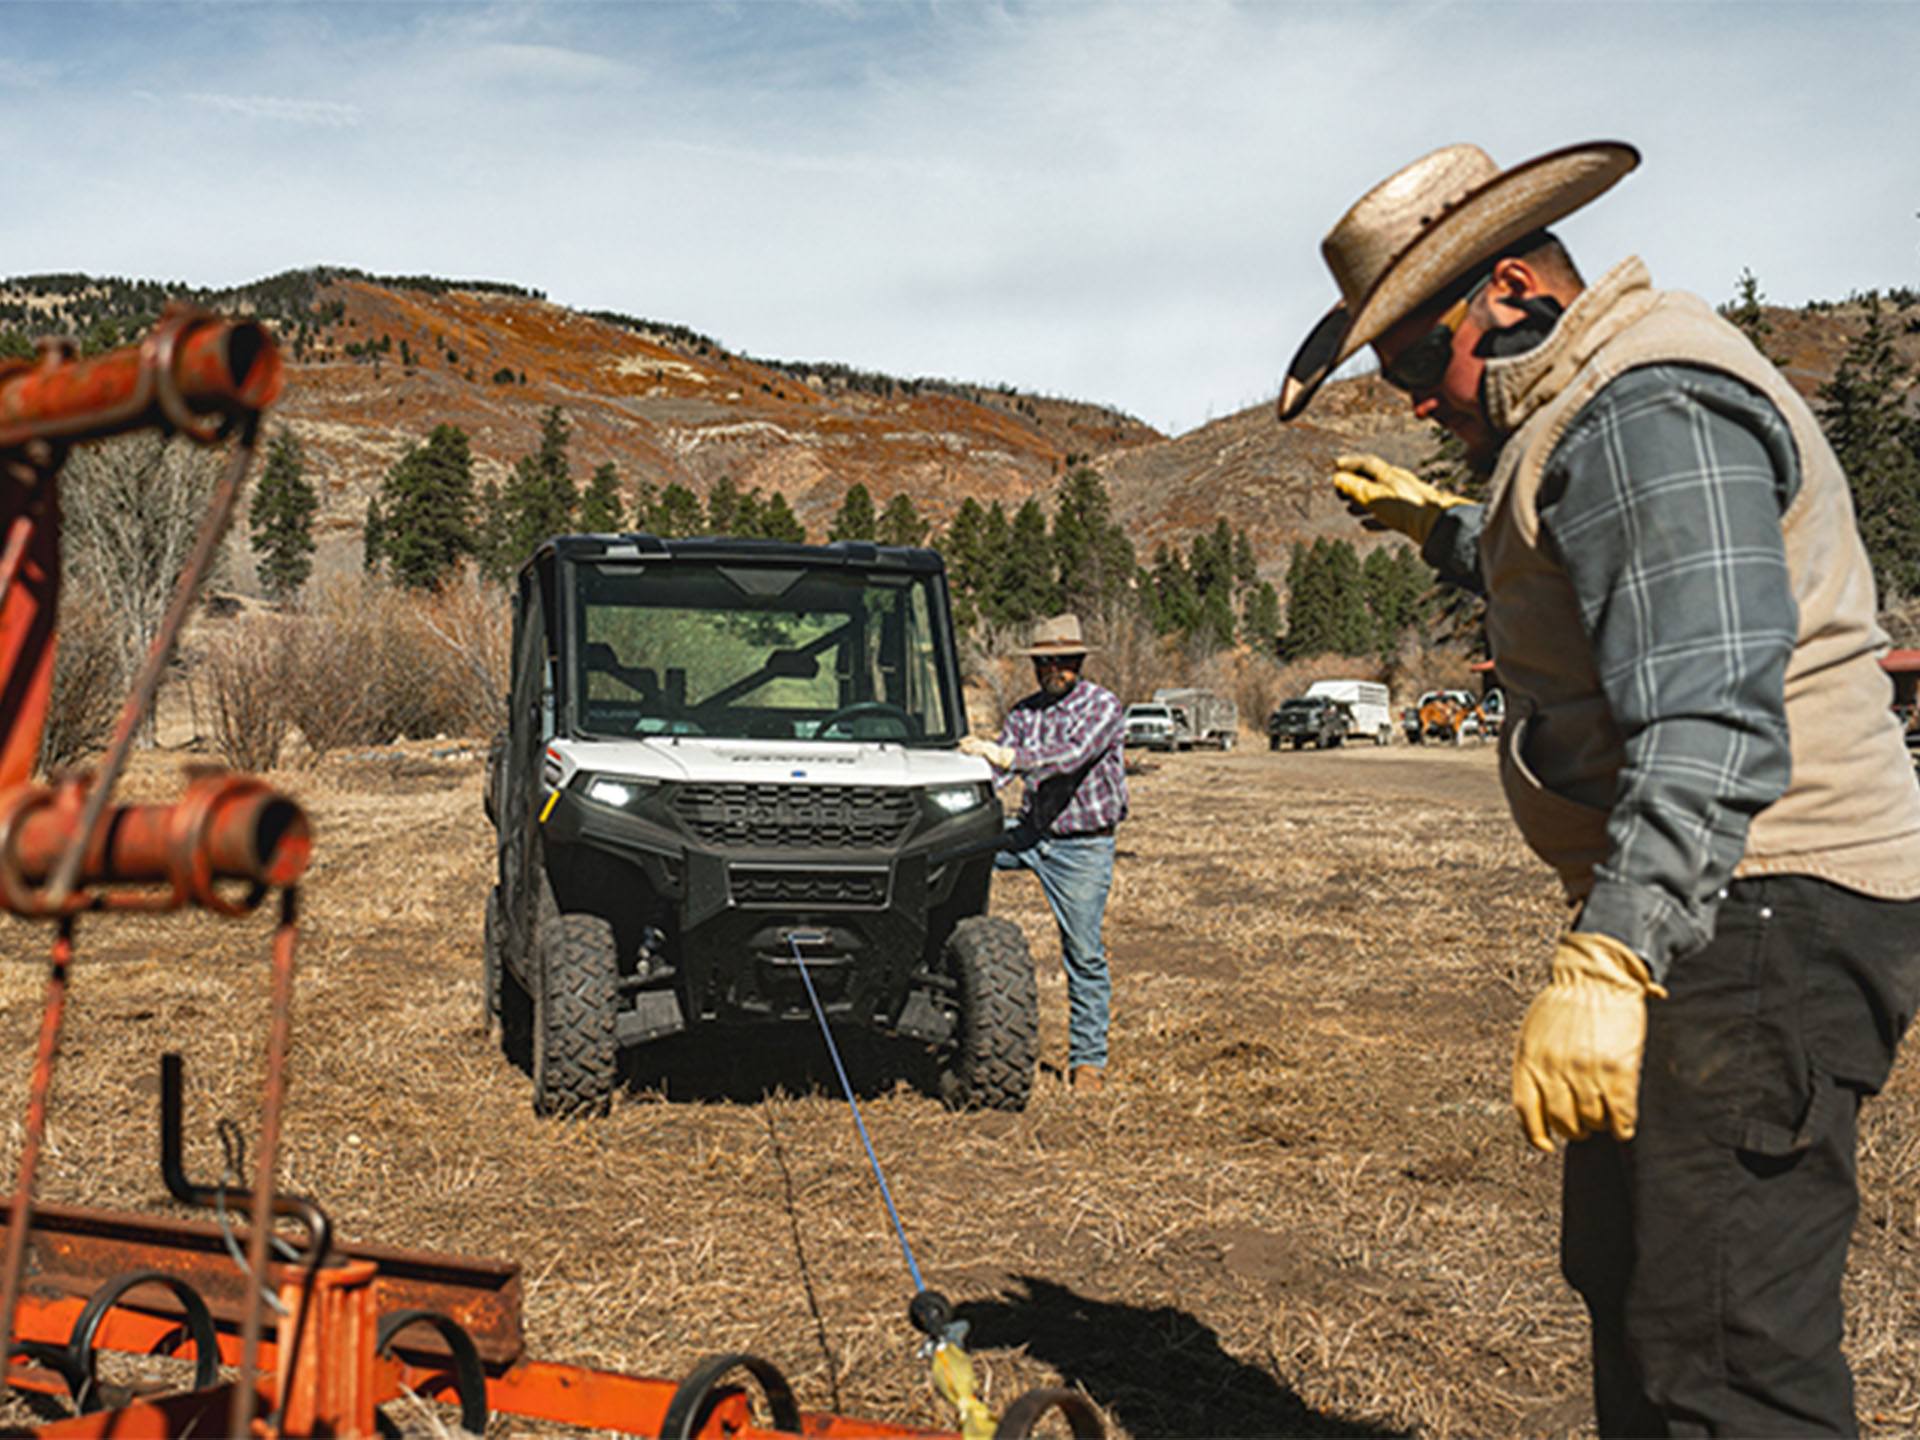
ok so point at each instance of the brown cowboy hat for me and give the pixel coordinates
(1059, 635)
(1417, 230)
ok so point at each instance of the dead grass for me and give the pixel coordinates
(1300, 1208)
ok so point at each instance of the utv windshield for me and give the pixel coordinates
(759, 652)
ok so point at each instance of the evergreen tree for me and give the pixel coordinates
(1025, 585)
(281, 519)
(1395, 582)
(901, 523)
(601, 511)
(728, 511)
(646, 500)
(426, 510)
(778, 522)
(968, 563)
(857, 519)
(1175, 607)
(996, 538)
(1326, 606)
(372, 535)
(1093, 558)
(1863, 410)
(1351, 627)
(491, 550)
(540, 498)
(678, 513)
(1260, 624)
(1747, 315)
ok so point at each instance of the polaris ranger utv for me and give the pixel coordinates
(725, 756)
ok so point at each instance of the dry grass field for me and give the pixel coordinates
(1300, 1208)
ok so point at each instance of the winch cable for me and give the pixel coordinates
(930, 1311)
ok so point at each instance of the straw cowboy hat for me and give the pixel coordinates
(1414, 232)
(1057, 636)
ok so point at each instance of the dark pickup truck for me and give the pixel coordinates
(1324, 722)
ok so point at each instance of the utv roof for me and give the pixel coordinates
(862, 553)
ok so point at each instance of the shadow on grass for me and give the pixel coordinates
(1156, 1371)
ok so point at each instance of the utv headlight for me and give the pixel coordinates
(958, 799)
(621, 792)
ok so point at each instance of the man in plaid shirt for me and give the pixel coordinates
(1700, 744)
(1065, 741)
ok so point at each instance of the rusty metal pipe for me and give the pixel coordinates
(191, 369)
(256, 835)
(20, 1215)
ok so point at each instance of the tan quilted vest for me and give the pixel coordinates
(1851, 813)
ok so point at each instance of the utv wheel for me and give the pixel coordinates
(990, 1062)
(1273, 742)
(490, 965)
(575, 1055)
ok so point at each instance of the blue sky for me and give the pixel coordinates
(1117, 202)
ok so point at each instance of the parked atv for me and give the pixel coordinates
(725, 757)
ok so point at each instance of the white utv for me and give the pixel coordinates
(724, 756)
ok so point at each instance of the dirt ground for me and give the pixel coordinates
(1301, 1207)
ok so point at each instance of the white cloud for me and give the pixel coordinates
(329, 113)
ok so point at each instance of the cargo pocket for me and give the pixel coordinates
(1569, 836)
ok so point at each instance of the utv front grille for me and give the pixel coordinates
(818, 817)
(798, 885)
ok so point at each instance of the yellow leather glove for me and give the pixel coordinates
(1391, 498)
(998, 756)
(1577, 1069)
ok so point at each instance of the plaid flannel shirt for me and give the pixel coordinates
(1069, 752)
(1662, 502)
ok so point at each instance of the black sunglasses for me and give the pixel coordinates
(1057, 662)
(1421, 365)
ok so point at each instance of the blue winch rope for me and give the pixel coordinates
(860, 1124)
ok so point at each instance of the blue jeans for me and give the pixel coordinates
(1076, 872)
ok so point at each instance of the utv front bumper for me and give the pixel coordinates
(866, 882)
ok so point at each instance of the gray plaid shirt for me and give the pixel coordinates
(1662, 502)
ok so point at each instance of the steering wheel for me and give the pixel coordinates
(867, 707)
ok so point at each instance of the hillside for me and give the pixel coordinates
(377, 361)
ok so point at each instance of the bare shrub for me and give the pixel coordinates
(89, 679)
(473, 619)
(373, 662)
(132, 509)
(244, 672)
(990, 659)
(1129, 659)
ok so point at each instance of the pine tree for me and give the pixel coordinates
(1863, 410)
(678, 513)
(540, 498)
(1025, 584)
(426, 510)
(1093, 558)
(968, 563)
(646, 500)
(1175, 607)
(281, 519)
(778, 522)
(1395, 582)
(1260, 624)
(856, 519)
(728, 511)
(901, 523)
(372, 535)
(601, 511)
(1745, 311)
(491, 550)
(1351, 628)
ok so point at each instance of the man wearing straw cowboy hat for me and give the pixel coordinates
(1682, 611)
(1065, 741)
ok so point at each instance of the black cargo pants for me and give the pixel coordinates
(1710, 1248)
